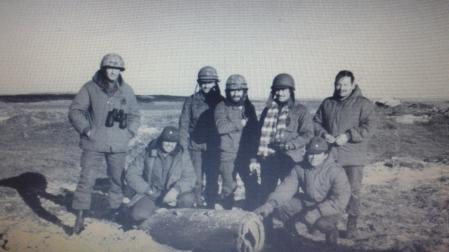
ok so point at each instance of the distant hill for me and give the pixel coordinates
(55, 97)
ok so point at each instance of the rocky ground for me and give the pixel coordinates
(405, 195)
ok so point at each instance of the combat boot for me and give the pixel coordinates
(351, 227)
(79, 222)
(329, 228)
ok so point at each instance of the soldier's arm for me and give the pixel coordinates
(133, 114)
(286, 190)
(134, 174)
(78, 111)
(366, 124)
(184, 122)
(223, 123)
(188, 176)
(318, 122)
(304, 131)
(338, 197)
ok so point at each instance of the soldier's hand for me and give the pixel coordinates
(329, 138)
(264, 210)
(342, 139)
(254, 167)
(244, 121)
(171, 197)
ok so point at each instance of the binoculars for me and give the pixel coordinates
(119, 116)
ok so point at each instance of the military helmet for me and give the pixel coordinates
(283, 80)
(113, 60)
(207, 74)
(170, 134)
(235, 82)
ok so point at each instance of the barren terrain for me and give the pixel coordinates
(405, 194)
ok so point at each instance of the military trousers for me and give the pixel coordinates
(91, 163)
(355, 177)
(207, 163)
(273, 168)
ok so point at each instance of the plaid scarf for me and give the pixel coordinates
(273, 128)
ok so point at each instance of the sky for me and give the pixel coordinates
(394, 48)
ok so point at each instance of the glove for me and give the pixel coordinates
(329, 138)
(264, 210)
(342, 139)
(170, 197)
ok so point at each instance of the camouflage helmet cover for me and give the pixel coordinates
(235, 82)
(207, 74)
(113, 60)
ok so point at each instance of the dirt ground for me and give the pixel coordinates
(405, 198)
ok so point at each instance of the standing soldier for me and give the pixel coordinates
(199, 135)
(285, 129)
(106, 115)
(236, 122)
(162, 176)
(346, 121)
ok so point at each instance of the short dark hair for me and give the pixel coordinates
(344, 73)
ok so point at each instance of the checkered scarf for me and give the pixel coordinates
(273, 128)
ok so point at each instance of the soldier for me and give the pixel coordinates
(236, 122)
(199, 135)
(106, 115)
(346, 121)
(285, 129)
(162, 177)
(326, 193)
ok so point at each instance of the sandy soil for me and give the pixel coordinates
(405, 194)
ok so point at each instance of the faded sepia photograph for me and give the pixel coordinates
(249, 126)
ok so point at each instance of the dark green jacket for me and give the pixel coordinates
(234, 138)
(89, 110)
(180, 174)
(299, 129)
(354, 116)
(196, 124)
(326, 187)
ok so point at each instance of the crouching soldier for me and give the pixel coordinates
(236, 122)
(326, 193)
(106, 115)
(162, 177)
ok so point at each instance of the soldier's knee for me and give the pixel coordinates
(139, 214)
(186, 200)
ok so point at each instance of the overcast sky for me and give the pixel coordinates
(395, 48)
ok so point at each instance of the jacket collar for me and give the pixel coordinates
(102, 83)
(154, 148)
(355, 93)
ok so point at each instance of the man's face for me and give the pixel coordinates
(344, 87)
(112, 73)
(168, 147)
(236, 95)
(207, 86)
(316, 159)
(282, 95)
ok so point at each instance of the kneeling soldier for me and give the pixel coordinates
(326, 192)
(162, 177)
